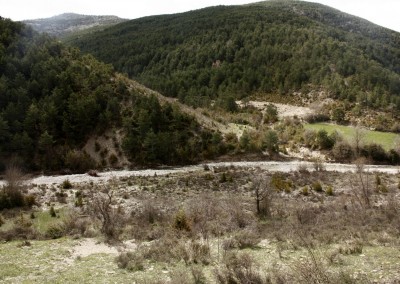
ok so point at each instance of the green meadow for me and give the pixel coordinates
(386, 139)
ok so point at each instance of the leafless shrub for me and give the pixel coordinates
(21, 230)
(361, 189)
(318, 165)
(198, 252)
(132, 261)
(238, 268)
(263, 194)
(74, 224)
(311, 269)
(247, 239)
(102, 208)
(11, 195)
(198, 275)
(181, 276)
(302, 168)
(307, 215)
(353, 247)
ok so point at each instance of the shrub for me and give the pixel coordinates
(66, 184)
(54, 232)
(1, 221)
(246, 239)
(342, 151)
(305, 191)
(30, 200)
(323, 140)
(316, 186)
(270, 141)
(132, 261)
(19, 232)
(355, 247)
(238, 268)
(279, 183)
(198, 275)
(79, 162)
(181, 221)
(97, 146)
(329, 191)
(199, 253)
(375, 152)
(73, 225)
(382, 189)
(52, 212)
(113, 159)
(317, 117)
(11, 197)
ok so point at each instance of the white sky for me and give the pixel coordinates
(381, 12)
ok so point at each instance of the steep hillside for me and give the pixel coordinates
(272, 47)
(69, 23)
(53, 101)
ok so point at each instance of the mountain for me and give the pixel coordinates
(272, 47)
(69, 23)
(60, 109)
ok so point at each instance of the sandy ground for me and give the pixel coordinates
(284, 110)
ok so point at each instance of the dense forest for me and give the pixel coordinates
(267, 47)
(52, 99)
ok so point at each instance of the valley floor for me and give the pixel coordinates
(199, 225)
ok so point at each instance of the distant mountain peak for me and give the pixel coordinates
(67, 23)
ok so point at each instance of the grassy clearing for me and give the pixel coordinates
(386, 139)
(53, 263)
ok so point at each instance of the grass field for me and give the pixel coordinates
(386, 139)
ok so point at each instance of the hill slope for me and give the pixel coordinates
(69, 23)
(53, 101)
(267, 47)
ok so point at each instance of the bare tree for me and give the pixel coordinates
(263, 194)
(101, 206)
(358, 140)
(361, 190)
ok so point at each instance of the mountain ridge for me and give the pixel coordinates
(68, 23)
(266, 47)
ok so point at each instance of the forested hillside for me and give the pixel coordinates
(70, 23)
(52, 99)
(267, 47)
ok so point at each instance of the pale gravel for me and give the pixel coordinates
(272, 166)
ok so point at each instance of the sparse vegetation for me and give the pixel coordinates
(220, 222)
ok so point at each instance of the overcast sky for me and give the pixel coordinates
(381, 12)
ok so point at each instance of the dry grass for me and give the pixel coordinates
(212, 229)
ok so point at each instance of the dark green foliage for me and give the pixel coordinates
(270, 141)
(163, 135)
(181, 221)
(79, 162)
(267, 47)
(52, 212)
(10, 198)
(54, 232)
(324, 141)
(66, 184)
(271, 114)
(51, 98)
(338, 115)
(342, 151)
(374, 152)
